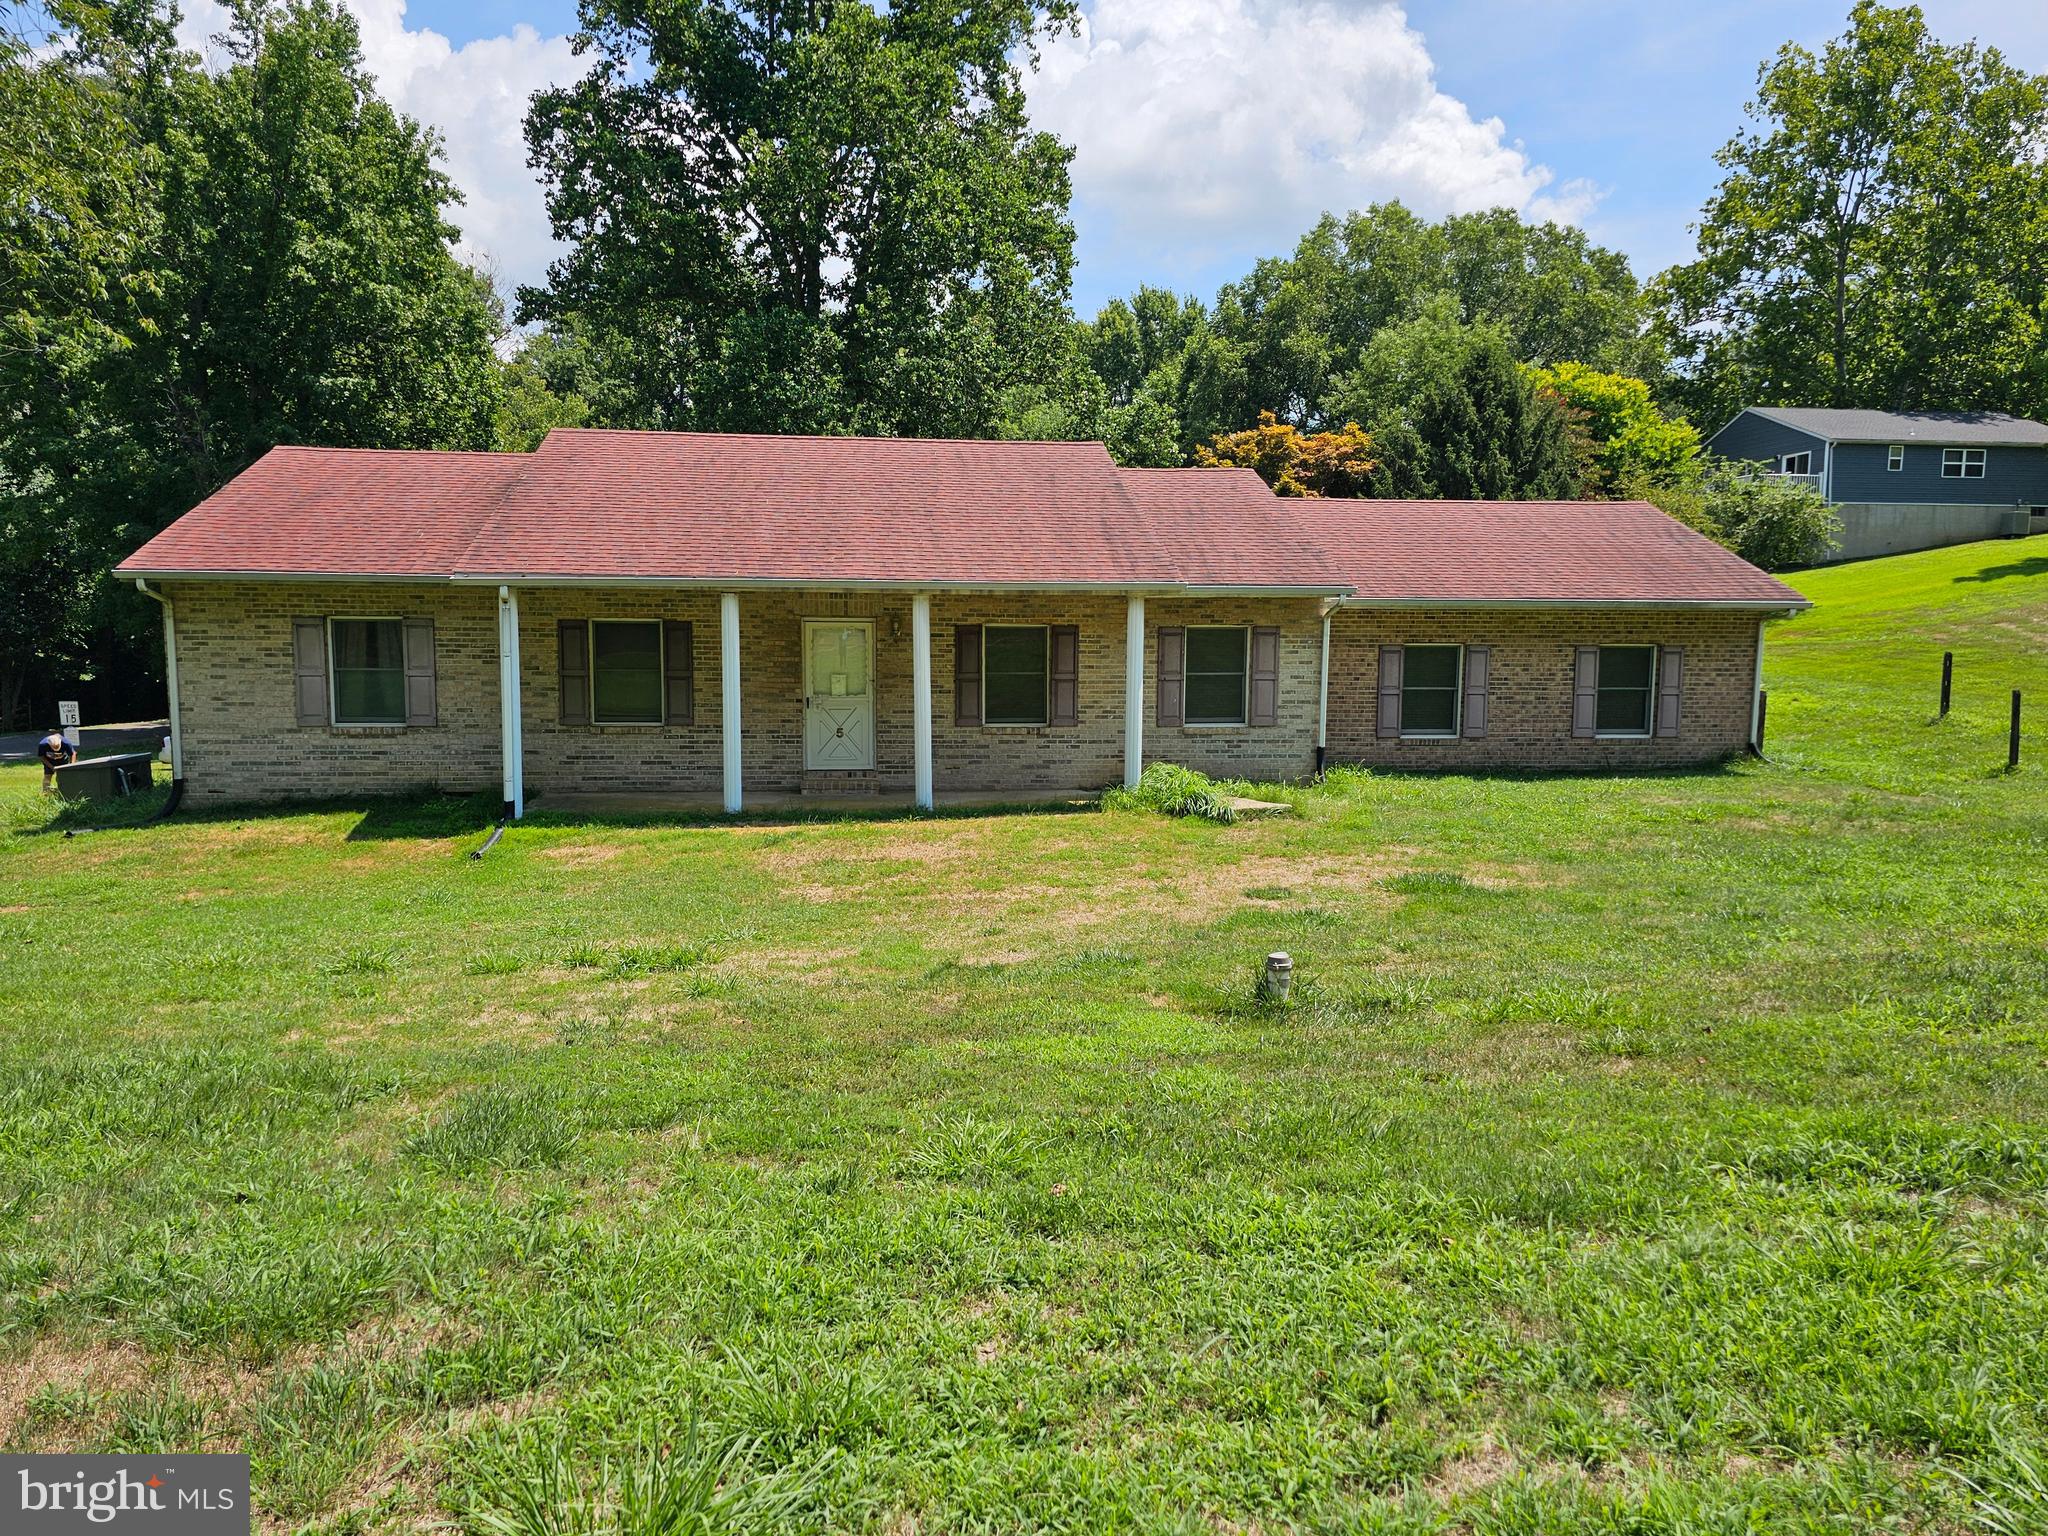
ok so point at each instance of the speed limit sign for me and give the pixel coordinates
(67, 712)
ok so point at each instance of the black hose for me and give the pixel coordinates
(170, 805)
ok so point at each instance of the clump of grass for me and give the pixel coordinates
(496, 1128)
(635, 958)
(528, 1486)
(493, 962)
(1428, 882)
(1168, 789)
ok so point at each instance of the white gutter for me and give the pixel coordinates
(170, 680)
(1795, 604)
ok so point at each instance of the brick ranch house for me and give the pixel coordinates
(684, 614)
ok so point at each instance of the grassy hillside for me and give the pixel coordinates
(1658, 1154)
(1856, 683)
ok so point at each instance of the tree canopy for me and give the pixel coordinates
(1880, 238)
(819, 218)
(197, 267)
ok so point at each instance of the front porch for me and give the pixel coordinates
(789, 699)
(785, 802)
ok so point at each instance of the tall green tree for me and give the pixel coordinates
(1452, 413)
(281, 270)
(1881, 235)
(821, 217)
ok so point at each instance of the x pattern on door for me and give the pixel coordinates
(839, 705)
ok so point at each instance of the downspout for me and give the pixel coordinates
(1756, 693)
(511, 727)
(1323, 701)
(171, 684)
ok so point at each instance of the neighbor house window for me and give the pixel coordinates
(1216, 675)
(1895, 457)
(1628, 686)
(1796, 464)
(1429, 689)
(1962, 463)
(367, 660)
(1013, 674)
(625, 672)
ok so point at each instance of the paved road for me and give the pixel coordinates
(93, 740)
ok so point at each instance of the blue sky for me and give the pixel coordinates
(1210, 132)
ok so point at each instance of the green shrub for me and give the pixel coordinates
(1172, 790)
(1770, 520)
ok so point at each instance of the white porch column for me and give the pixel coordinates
(1134, 691)
(729, 694)
(921, 696)
(511, 718)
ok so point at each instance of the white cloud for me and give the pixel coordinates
(1209, 125)
(476, 97)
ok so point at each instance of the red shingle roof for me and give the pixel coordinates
(1531, 551)
(336, 512)
(604, 506)
(685, 506)
(1227, 529)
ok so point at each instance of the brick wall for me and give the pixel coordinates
(1529, 695)
(242, 741)
(236, 695)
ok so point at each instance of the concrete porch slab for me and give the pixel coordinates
(787, 803)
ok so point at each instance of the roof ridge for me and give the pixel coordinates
(829, 437)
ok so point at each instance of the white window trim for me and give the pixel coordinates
(333, 694)
(1649, 730)
(1895, 458)
(1244, 693)
(1785, 463)
(660, 670)
(1457, 695)
(1046, 710)
(1964, 463)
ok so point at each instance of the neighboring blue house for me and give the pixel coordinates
(1904, 479)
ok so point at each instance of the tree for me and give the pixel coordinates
(1630, 441)
(283, 272)
(1881, 235)
(1452, 414)
(822, 217)
(1297, 463)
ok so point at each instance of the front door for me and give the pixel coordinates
(839, 693)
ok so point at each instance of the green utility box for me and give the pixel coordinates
(102, 778)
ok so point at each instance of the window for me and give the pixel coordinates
(1013, 674)
(1895, 457)
(1628, 686)
(1429, 689)
(368, 667)
(1962, 463)
(1796, 464)
(1216, 675)
(625, 672)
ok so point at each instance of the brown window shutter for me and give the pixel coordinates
(1586, 692)
(1387, 723)
(678, 639)
(1173, 652)
(1066, 675)
(1670, 682)
(1478, 665)
(967, 674)
(573, 671)
(309, 670)
(1265, 708)
(419, 672)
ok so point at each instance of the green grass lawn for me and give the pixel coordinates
(1659, 1154)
